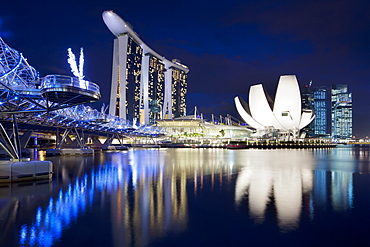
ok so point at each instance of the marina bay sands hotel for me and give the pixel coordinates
(145, 85)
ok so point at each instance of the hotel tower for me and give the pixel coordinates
(145, 86)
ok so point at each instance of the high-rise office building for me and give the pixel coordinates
(320, 108)
(307, 100)
(145, 85)
(308, 103)
(315, 98)
(333, 110)
(341, 112)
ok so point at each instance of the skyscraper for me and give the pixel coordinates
(153, 88)
(315, 98)
(320, 108)
(341, 112)
(308, 103)
(125, 87)
(145, 85)
(333, 110)
(178, 91)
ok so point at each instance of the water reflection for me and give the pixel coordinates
(146, 191)
(341, 190)
(334, 178)
(13, 197)
(63, 207)
(51, 219)
(146, 203)
(139, 196)
(362, 157)
(278, 177)
(287, 180)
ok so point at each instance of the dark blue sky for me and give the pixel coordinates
(228, 45)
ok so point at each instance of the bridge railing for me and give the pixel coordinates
(56, 81)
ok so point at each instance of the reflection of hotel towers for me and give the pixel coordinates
(147, 194)
(279, 175)
(145, 85)
(148, 204)
(152, 199)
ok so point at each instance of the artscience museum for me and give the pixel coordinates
(283, 117)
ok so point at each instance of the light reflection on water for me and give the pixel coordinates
(144, 195)
(278, 175)
(294, 179)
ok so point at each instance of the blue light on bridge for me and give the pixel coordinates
(14, 65)
(68, 204)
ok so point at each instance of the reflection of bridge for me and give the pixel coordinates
(54, 100)
(146, 190)
(158, 203)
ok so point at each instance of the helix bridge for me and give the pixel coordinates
(52, 101)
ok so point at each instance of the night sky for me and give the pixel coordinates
(227, 45)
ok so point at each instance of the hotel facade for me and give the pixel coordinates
(145, 86)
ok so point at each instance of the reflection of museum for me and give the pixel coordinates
(280, 178)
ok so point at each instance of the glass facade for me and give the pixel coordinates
(320, 109)
(133, 73)
(341, 112)
(118, 92)
(179, 90)
(333, 119)
(155, 88)
(316, 99)
(308, 103)
(132, 86)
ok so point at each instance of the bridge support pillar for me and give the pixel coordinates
(66, 146)
(24, 139)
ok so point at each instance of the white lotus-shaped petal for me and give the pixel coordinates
(261, 106)
(306, 118)
(284, 114)
(287, 107)
(243, 110)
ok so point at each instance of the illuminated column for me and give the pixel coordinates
(167, 102)
(144, 113)
(118, 88)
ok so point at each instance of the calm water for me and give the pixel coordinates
(194, 197)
